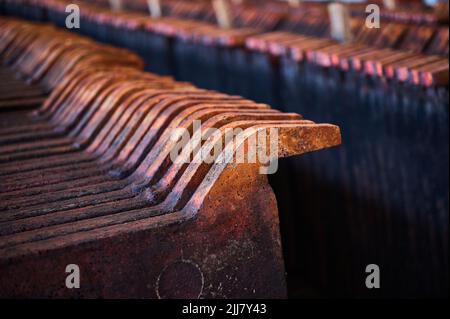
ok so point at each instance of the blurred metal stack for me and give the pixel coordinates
(380, 198)
(88, 179)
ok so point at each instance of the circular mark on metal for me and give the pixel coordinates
(181, 280)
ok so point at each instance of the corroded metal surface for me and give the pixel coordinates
(90, 179)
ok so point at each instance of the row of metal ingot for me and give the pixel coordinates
(88, 178)
(403, 66)
(407, 53)
(273, 13)
(44, 54)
